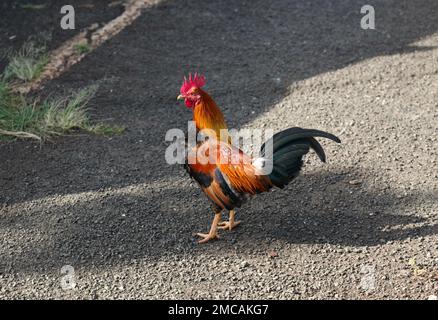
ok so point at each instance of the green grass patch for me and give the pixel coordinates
(26, 64)
(21, 118)
(82, 48)
(31, 6)
(39, 119)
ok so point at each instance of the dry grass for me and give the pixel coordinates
(23, 118)
(26, 64)
(34, 118)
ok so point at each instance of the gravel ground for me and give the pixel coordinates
(364, 225)
(43, 21)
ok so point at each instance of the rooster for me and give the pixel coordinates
(227, 182)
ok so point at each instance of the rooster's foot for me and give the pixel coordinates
(228, 225)
(207, 237)
(213, 230)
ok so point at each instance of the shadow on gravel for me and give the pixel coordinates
(318, 208)
(251, 52)
(327, 209)
(43, 22)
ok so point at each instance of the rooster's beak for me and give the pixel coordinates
(180, 97)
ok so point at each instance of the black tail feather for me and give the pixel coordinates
(314, 144)
(289, 147)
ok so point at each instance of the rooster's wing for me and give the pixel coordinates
(225, 173)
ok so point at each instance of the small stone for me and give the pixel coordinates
(355, 182)
(272, 254)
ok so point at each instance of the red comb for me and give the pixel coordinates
(195, 81)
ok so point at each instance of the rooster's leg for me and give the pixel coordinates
(213, 230)
(230, 224)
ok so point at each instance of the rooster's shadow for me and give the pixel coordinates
(327, 208)
(318, 208)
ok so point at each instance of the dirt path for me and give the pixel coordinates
(42, 22)
(362, 226)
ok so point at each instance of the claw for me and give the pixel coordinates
(213, 230)
(207, 237)
(230, 225)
